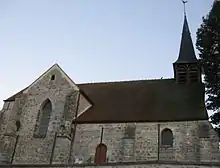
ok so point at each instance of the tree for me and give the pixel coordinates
(208, 44)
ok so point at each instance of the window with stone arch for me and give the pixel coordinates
(100, 154)
(167, 137)
(43, 119)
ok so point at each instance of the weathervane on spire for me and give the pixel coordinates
(184, 4)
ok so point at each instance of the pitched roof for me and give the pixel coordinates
(141, 100)
(144, 100)
(186, 53)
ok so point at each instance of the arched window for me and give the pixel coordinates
(43, 119)
(100, 154)
(167, 137)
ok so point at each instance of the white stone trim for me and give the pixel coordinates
(80, 113)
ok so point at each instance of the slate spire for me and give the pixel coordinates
(186, 67)
(186, 52)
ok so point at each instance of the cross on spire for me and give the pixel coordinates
(184, 6)
(187, 57)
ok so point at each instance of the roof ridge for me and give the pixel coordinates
(92, 83)
(125, 81)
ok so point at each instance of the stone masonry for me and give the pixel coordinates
(133, 165)
(68, 143)
(26, 147)
(145, 146)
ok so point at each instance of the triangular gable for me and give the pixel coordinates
(55, 66)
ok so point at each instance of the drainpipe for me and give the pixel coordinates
(18, 126)
(53, 148)
(74, 131)
(14, 150)
(158, 145)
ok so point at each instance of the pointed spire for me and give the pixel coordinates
(215, 1)
(186, 53)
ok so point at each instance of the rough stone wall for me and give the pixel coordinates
(208, 149)
(31, 149)
(146, 165)
(5, 143)
(70, 105)
(187, 146)
(10, 117)
(61, 151)
(7, 115)
(126, 142)
(24, 144)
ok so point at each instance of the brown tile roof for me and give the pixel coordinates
(144, 100)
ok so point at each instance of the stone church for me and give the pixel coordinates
(144, 123)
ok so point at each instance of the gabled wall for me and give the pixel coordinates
(30, 148)
(24, 145)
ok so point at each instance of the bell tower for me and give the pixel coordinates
(186, 68)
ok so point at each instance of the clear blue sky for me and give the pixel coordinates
(92, 40)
